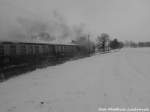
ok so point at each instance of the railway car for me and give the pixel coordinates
(12, 53)
(21, 54)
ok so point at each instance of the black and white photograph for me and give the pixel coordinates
(74, 55)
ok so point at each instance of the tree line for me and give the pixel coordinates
(136, 44)
(102, 43)
(105, 43)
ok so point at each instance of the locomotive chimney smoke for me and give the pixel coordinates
(66, 31)
(23, 26)
(79, 31)
(61, 29)
(55, 29)
(19, 24)
(35, 29)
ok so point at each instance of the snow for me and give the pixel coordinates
(117, 79)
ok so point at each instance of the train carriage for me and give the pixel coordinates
(13, 52)
(19, 53)
(33, 55)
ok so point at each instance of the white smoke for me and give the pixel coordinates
(24, 27)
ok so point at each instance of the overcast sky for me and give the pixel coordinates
(123, 19)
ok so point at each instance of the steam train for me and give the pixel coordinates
(14, 54)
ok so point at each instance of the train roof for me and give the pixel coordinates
(15, 42)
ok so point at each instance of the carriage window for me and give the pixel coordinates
(1, 50)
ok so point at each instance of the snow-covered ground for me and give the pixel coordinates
(118, 79)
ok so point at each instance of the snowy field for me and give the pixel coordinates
(118, 79)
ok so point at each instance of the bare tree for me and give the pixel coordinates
(102, 42)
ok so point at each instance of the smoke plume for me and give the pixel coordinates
(54, 29)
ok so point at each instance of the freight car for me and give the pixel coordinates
(16, 54)
(19, 52)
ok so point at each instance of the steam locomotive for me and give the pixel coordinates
(14, 54)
